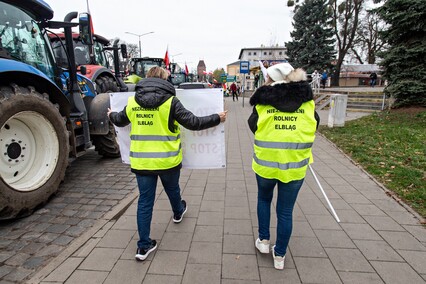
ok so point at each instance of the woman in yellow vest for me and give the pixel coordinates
(155, 114)
(284, 122)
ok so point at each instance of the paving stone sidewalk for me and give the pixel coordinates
(377, 241)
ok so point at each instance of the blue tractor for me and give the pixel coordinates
(48, 116)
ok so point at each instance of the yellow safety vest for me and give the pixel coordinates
(152, 145)
(283, 142)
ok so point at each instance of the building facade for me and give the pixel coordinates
(272, 55)
(254, 54)
(201, 70)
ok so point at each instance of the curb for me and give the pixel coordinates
(114, 214)
(387, 191)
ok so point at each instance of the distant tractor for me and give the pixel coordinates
(49, 115)
(93, 61)
(140, 66)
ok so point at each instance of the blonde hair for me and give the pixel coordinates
(157, 72)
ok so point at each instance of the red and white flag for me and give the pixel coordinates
(90, 18)
(166, 59)
(186, 69)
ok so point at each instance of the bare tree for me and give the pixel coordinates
(367, 41)
(345, 23)
(132, 50)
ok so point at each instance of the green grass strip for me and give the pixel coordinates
(391, 146)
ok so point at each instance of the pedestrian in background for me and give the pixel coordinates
(155, 114)
(225, 92)
(373, 79)
(284, 122)
(316, 78)
(256, 81)
(324, 78)
(233, 89)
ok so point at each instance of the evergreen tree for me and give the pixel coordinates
(405, 61)
(312, 45)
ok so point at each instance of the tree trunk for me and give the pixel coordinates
(335, 79)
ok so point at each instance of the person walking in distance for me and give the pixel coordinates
(316, 78)
(155, 114)
(324, 78)
(284, 122)
(233, 89)
(373, 79)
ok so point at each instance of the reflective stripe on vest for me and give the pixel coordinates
(283, 142)
(154, 138)
(152, 145)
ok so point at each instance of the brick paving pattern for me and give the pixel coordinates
(377, 241)
(93, 186)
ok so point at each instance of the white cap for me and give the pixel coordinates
(279, 72)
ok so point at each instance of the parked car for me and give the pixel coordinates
(193, 85)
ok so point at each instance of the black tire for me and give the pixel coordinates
(105, 84)
(107, 145)
(34, 150)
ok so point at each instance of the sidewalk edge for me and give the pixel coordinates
(80, 241)
(388, 192)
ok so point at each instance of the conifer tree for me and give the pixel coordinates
(312, 45)
(404, 61)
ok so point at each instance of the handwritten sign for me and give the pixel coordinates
(201, 149)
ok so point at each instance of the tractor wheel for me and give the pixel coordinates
(107, 145)
(34, 150)
(106, 84)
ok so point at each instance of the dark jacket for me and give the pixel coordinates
(153, 92)
(373, 76)
(286, 97)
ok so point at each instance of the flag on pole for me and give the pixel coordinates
(186, 69)
(166, 59)
(90, 18)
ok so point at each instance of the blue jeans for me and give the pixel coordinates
(147, 185)
(286, 198)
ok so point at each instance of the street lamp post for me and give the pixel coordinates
(174, 55)
(139, 36)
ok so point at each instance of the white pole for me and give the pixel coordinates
(325, 195)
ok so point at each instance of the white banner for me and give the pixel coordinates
(201, 149)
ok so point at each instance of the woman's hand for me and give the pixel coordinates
(222, 115)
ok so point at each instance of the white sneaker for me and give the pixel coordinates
(278, 260)
(262, 245)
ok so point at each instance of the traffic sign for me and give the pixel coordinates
(231, 78)
(244, 67)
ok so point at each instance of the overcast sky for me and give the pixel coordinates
(213, 31)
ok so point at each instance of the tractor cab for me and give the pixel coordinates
(139, 67)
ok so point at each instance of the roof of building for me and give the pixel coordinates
(201, 64)
(360, 68)
(234, 63)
